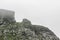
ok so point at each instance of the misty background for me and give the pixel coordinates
(39, 12)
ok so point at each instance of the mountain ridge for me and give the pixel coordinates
(25, 30)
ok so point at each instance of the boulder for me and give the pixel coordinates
(6, 16)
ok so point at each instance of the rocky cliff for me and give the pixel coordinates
(12, 30)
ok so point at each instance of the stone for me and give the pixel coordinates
(24, 30)
(6, 16)
(26, 23)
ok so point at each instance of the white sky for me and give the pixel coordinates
(41, 12)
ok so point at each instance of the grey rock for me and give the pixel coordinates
(25, 30)
(6, 16)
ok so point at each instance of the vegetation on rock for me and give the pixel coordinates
(25, 31)
(12, 30)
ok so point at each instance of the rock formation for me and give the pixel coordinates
(6, 16)
(12, 30)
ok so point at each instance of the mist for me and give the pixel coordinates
(39, 12)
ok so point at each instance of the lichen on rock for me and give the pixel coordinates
(25, 30)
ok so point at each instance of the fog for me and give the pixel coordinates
(39, 12)
(6, 13)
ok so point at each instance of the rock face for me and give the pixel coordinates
(6, 16)
(12, 30)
